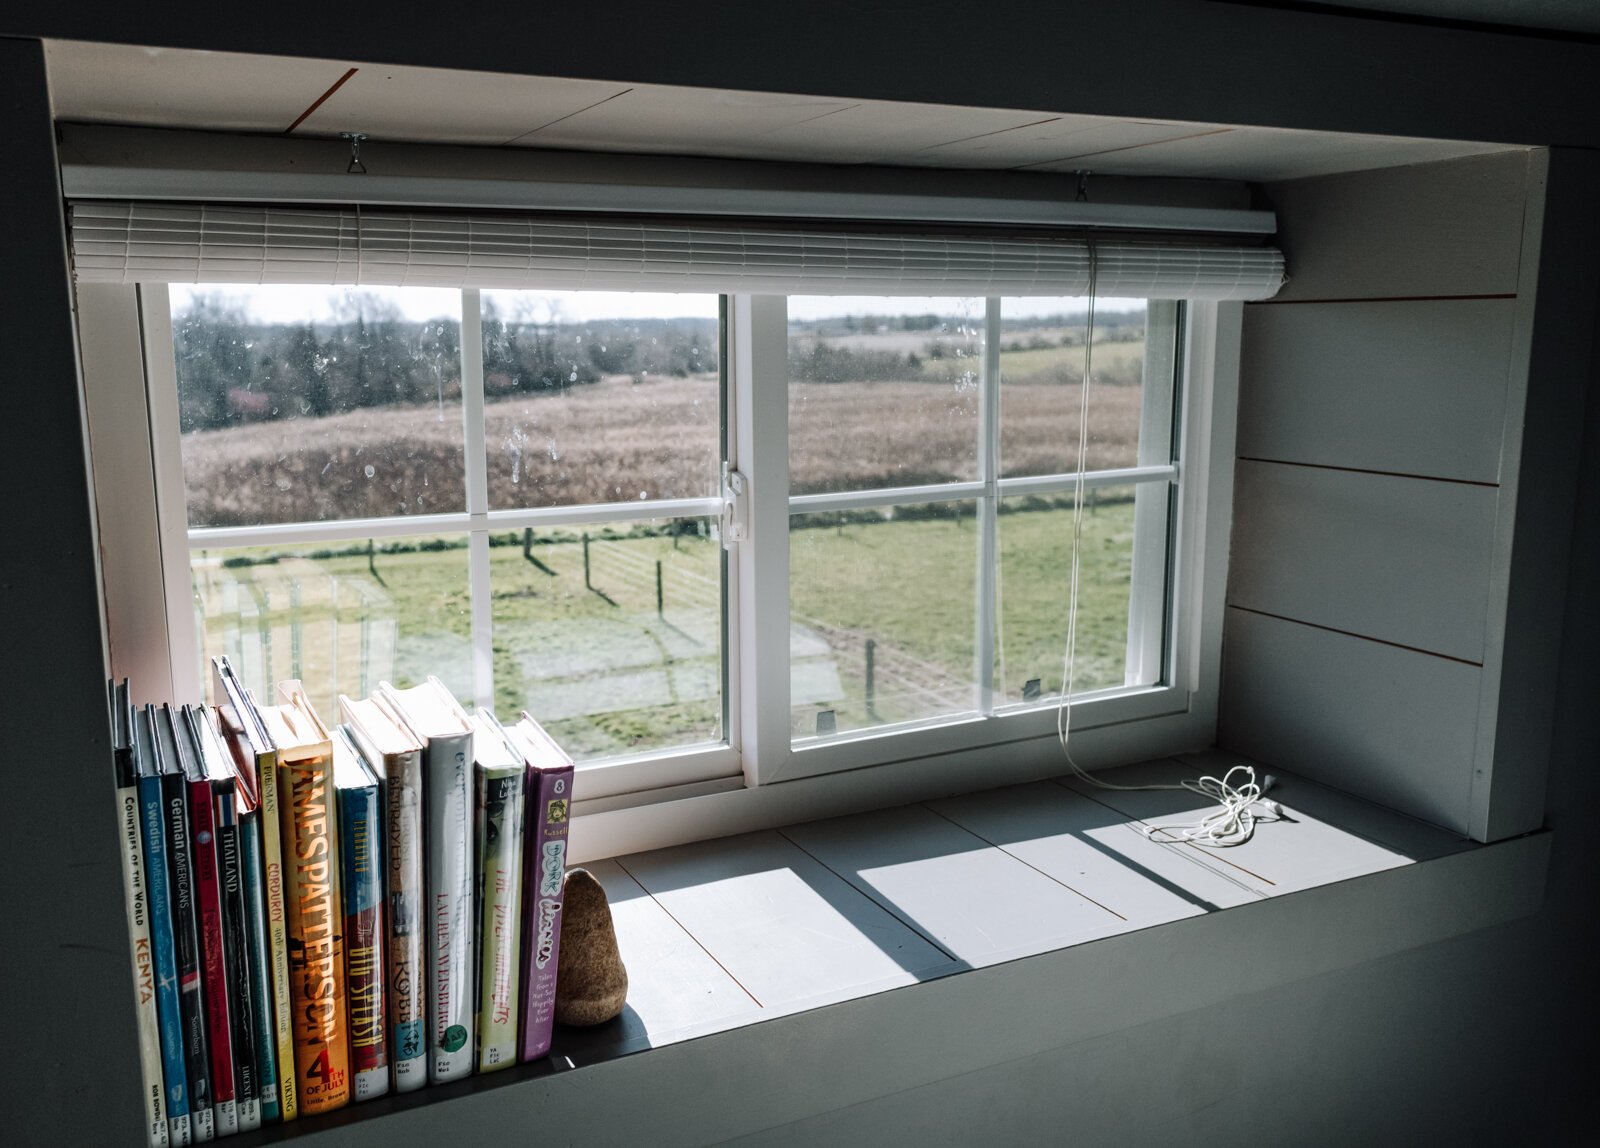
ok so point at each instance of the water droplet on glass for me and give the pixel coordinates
(371, 470)
(642, 494)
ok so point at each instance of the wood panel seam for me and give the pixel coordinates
(1353, 634)
(888, 909)
(689, 933)
(1368, 470)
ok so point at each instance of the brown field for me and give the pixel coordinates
(618, 440)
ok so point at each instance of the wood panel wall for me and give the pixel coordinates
(1381, 400)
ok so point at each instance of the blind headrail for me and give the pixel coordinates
(130, 241)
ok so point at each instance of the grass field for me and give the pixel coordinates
(609, 674)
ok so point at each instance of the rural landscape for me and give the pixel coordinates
(612, 635)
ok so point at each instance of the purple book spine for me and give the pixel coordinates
(545, 864)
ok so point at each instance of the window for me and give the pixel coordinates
(704, 536)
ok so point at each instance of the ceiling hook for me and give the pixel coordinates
(1083, 186)
(356, 166)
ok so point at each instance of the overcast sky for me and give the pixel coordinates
(279, 303)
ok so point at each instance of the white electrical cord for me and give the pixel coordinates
(1241, 805)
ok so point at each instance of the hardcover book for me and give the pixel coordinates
(499, 779)
(239, 717)
(185, 929)
(549, 787)
(257, 947)
(153, 1103)
(395, 754)
(231, 794)
(433, 715)
(163, 943)
(361, 873)
(310, 838)
(209, 916)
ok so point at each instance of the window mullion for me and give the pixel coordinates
(759, 450)
(988, 579)
(477, 484)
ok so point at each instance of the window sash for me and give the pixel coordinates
(756, 690)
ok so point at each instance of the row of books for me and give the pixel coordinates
(318, 917)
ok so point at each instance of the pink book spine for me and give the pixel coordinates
(545, 864)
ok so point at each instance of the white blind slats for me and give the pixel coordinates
(126, 242)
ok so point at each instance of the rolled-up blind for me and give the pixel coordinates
(131, 242)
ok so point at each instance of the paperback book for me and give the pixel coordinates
(383, 738)
(549, 788)
(309, 832)
(185, 929)
(361, 879)
(163, 943)
(257, 760)
(499, 779)
(153, 1103)
(435, 718)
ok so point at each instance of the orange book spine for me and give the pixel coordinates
(315, 935)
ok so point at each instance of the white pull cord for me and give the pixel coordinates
(1241, 805)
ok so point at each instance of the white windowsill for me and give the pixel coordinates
(910, 979)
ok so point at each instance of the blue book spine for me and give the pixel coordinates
(360, 858)
(255, 919)
(169, 1011)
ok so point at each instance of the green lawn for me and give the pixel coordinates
(609, 674)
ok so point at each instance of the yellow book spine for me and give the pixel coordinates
(315, 936)
(277, 935)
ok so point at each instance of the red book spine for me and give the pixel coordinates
(208, 902)
(363, 942)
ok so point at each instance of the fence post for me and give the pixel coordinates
(872, 673)
(527, 542)
(661, 602)
(372, 557)
(587, 585)
(294, 630)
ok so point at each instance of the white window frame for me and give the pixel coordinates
(635, 794)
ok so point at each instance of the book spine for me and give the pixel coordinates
(544, 868)
(169, 1012)
(241, 1011)
(208, 906)
(277, 933)
(315, 941)
(258, 963)
(448, 809)
(500, 887)
(407, 1002)
(157, 1131)
(360, 861)
(191, 1001)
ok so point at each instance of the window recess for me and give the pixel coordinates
(750, 595)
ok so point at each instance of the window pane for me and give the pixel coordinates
(339, 616)
(882, 616)
(600, 397)
(611, 636)
(883, 392)
(1035, 543)
(300, 404)
(1041, 370)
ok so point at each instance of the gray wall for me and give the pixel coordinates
(1460, 1040)
(1386, 399)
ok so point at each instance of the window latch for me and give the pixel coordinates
(735, 507)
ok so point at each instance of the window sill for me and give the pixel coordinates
(735, 946)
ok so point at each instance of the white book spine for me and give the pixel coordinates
(407, 923)
(499, 816)
(144, 974)
(448, 809)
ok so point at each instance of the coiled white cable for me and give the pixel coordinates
(1241, 806)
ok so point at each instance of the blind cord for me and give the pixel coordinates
(1241, 803)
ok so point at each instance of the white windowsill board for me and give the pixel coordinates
(1030, 887)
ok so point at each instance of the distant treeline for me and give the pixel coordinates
(232, 370)
(1107, 323)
